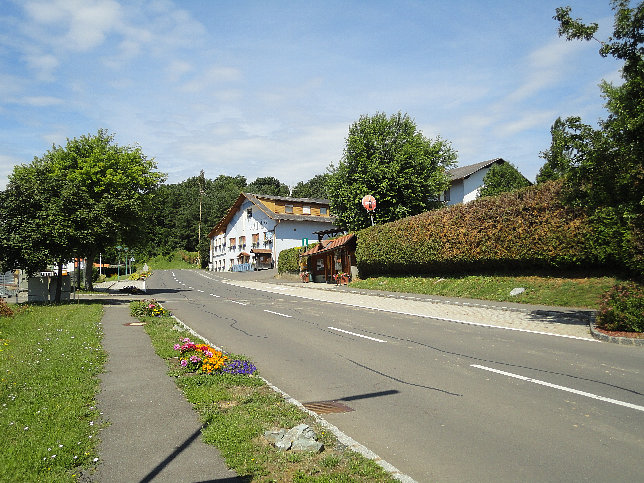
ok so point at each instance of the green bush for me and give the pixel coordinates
(527, 229)
(622, 308)
(288, 260)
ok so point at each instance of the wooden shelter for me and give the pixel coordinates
(332, 260)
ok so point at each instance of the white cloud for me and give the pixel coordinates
(40, 101)
(85, 23)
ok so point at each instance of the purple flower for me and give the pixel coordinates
(177, 347)
(184, 363)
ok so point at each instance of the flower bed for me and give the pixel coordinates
(148, 308)
(206, 359)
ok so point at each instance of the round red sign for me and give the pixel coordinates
(369, 203)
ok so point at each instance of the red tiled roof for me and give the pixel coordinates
(328, 245)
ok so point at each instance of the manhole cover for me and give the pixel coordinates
(134, 323)
(327, 407)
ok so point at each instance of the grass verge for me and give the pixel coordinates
(582, 292)
(50, 358)
(238, 409)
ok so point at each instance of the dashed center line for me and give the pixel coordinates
(357, 335)
(239, 303)
(277, 313)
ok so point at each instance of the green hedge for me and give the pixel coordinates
(526, 229)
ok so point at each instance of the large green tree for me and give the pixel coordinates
(83, 198)
(604, 167)
(313, 188)
(502, 178)
(391, 159)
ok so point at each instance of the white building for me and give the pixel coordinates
(258, 227)
(467, 181)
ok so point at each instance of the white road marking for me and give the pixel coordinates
(357, 335)
(198, 290)
(562, 388)
(215, 295)
(277, 313)
(239, 303)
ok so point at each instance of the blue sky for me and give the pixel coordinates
(270, 88)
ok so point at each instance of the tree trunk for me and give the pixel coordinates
(59, 282)
(89, 265)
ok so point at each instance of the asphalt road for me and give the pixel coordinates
(441, 401)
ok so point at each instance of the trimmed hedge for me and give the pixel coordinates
(526, 229)
(288, 261)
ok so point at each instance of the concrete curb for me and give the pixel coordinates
(614, 339)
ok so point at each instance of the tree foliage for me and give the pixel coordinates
(76, 201)
(604, 167)
(176, 220)
(389, 158)
(313, 188)
(268, 186)
(502, 178)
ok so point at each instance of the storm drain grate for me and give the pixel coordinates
(327, 407)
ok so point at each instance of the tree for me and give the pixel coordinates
(389, 158)
(313, 188)
(268, 186)
(570, 138)
(502, 178)
(82, 198)
(176, 213)
(604, 167)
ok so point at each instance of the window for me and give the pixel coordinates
(324, 211)
(446, 195)
(288, 209)
(255, 240)
(249, 212)
(233, 243)
(306, 210)
(242, 242)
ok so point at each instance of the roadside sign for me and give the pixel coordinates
(369, 203)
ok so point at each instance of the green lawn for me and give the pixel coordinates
(582, 292)
(50, 357)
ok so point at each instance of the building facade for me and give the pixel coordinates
(258, 227)
(465, 182)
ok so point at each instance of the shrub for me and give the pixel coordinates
(622, 308)
(5, 310)
(288, 260)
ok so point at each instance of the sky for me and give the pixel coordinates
(270, 88)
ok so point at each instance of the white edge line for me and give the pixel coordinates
(343, 438)
(357, 335)
(457, 321)
(561, 388)
(277, 313)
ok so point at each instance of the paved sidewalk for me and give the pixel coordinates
(154, 434)
(559, 321)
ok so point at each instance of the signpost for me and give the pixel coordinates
(369, 203)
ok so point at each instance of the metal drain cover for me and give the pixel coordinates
(327, 407)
